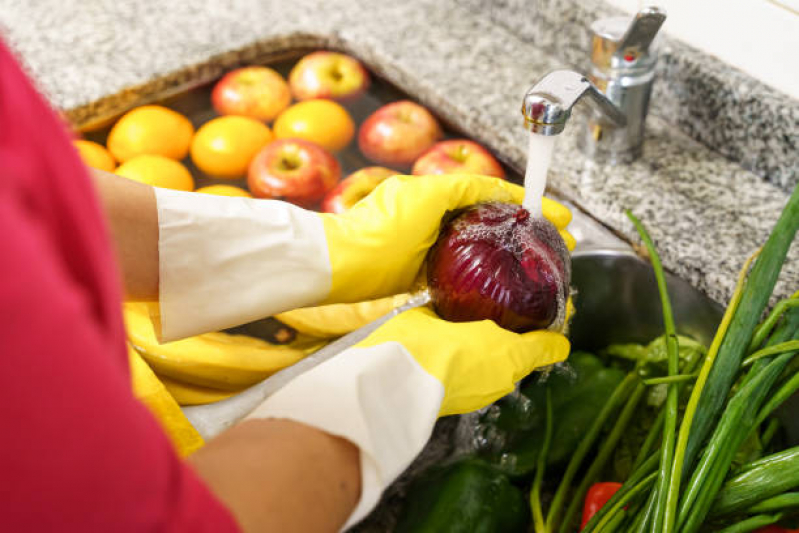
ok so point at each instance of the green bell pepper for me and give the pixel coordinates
(468, 496)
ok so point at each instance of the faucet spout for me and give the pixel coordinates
(547, 105)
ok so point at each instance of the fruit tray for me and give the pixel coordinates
(194, 102)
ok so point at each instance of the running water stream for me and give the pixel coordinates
(539, 156)
(472, 435)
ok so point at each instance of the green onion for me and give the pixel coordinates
(628, 496)
(541, 464)
(753, 523)
(647, 467)
(615, 522)
(666, 505)
(765, 328)
(602, 456)
(736, 422)
(769, 432)
(758, 481)
(650, 440)
(756, 294)
(777, 349)
(620, 393)
(667, 380)
(782, 394)
(710, 358)
(789, 500)
(641, 524)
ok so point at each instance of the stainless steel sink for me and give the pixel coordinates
(617, 300)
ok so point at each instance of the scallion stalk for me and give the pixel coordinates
(667, 380)
(788, 500)
(736, 422)
(539, 524)
(664, 517)
(638, 489)
(785, 391)
(678, 465)
(651, 439)
(647, 468)
(752, 523)
(765, 328)
(788, 346)
(759, 480)
(755, 297)
(602, 456)
(641, 524)
(620, 393)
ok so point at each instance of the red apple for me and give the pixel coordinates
(354, 187)
(398, 133)
(328, 75)
(458, 156)
(257, 92)
(295, 170)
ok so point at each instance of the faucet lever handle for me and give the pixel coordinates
(619, 43)
(641, 33)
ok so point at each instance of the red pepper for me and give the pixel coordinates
(776, 529)
(598, 495)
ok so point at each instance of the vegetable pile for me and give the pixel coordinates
(667, 437)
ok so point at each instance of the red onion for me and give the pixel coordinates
(495, 261)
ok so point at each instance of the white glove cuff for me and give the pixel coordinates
(224, 261)
(378, 398)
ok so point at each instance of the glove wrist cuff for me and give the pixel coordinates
(378, 398)
(224, 261)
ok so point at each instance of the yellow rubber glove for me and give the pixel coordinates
(476, 362)
(152, 393)
(378, 246)
(335, 320)
(385, 393)
(224, 261)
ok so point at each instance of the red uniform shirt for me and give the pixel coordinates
(77, 451)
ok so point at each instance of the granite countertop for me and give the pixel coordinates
(706, 213)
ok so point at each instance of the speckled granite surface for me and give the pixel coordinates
(718, 105)
(707, 214)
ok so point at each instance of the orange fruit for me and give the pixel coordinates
(158, 171)
(95, 155)
(323, 122)
(150, 129)
(224, 190)
(224, 146)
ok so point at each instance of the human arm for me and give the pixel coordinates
(280, 475)
(132, 216)
(84, 455)
(215, 262)
(267, 472)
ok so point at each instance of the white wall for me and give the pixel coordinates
(761, 37)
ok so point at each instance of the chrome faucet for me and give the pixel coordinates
(618, 87)
(548, 104)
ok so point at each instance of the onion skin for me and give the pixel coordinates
(495, 261)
